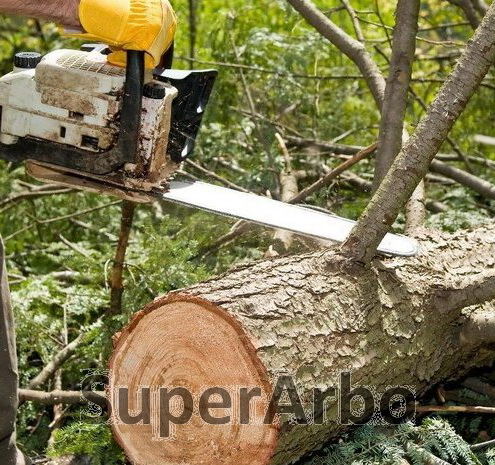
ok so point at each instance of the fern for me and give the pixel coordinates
(434, 438)
(91, 439)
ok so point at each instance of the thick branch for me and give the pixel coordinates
(469, 11)
(472, 291)
(62, 397)
(413, 162)
(482, 187)
(395, 101)
(56, 362)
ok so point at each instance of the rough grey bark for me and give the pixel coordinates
(416, 210)
(398, 322)
(352, 48)
(412, 164)
(399, 77)
(9, 378)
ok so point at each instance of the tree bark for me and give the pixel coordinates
(481, 186)
(398, 322)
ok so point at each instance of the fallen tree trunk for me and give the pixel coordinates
(399, 322)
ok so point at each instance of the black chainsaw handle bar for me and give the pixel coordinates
(132, 103)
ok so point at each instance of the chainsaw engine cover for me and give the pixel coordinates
(65, 111)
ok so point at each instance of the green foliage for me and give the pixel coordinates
(92, 439)
(370, 445)
(305, 88)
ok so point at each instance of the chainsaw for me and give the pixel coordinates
(78, 121)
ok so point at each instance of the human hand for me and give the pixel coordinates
(147, 25)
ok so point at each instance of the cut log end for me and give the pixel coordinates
(185, 342)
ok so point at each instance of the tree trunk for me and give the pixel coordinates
(400, 321)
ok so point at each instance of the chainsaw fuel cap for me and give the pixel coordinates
(27, 60)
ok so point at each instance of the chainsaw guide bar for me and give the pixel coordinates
(226, 202)
(276, 214)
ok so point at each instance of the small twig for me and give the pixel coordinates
(60, 218)
(293, 131)
(354, 19)
(56, 362)
(455, 408)
(333, 77)
(326, 180)
(446, 43)
(215, 176)
(74, 247)
(9, 202)
(237, 230)
(483, 445)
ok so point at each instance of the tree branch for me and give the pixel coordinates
(352, 48)
(354, 19)
(62, 397)
(480, 6)
(56, 362)
(477, 184)
(116, 280)
(481, 186)
(480, 326)
(325, 180)
(395, 99)
(412, 164)
(469, 11)
(288, 189)
(416, 210)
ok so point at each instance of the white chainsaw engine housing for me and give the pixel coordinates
(71, 97)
